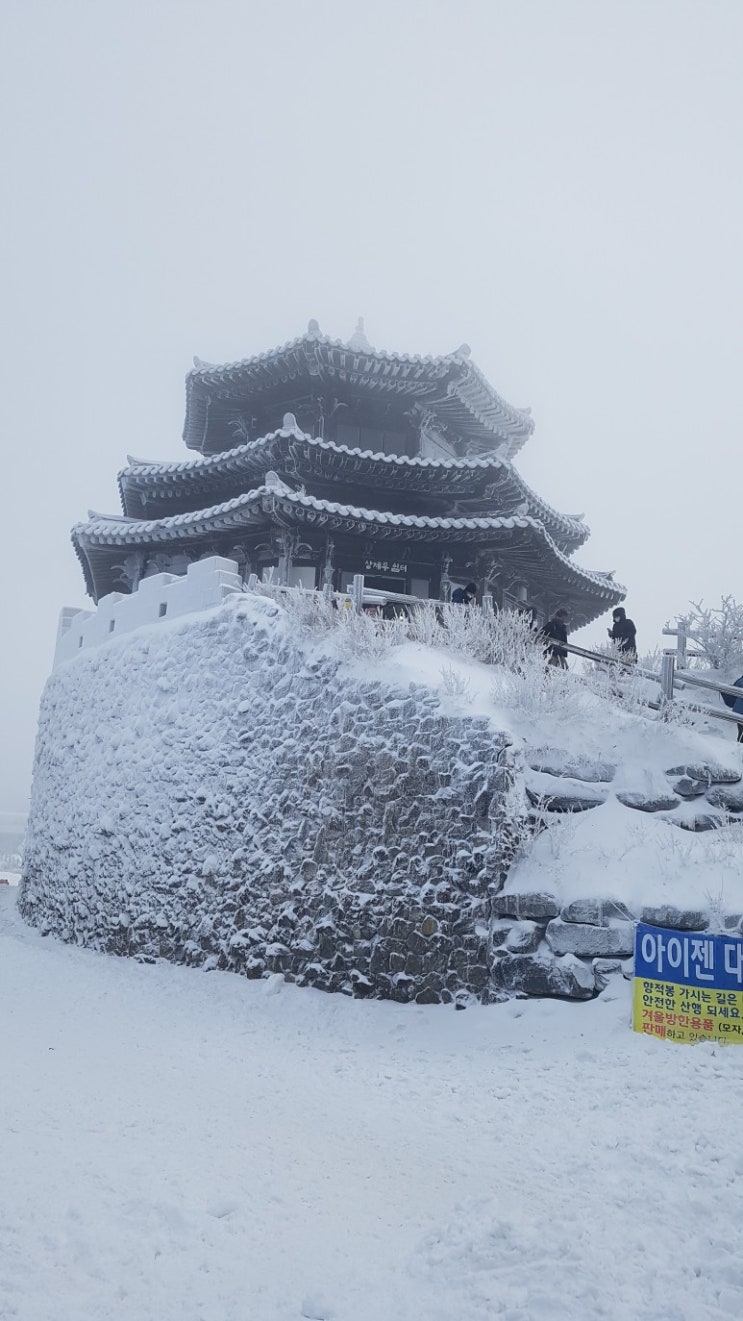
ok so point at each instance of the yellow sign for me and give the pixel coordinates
(687, 1013)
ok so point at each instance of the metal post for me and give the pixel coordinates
(357, 592)
(487, 603)
(445, 581)
(681, 644)
(667, 667)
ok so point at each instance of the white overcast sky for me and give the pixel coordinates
(556, 182)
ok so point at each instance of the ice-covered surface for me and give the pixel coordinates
(266, 790)
(177, 1146)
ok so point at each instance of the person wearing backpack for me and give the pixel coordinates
(735, 704)
(464, 595)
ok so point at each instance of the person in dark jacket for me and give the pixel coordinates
(736, 704)
(554, 632)
(624, 634)
(464, 595)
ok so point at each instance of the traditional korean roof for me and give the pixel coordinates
(528, 545)
(304, 457)
(450, 386)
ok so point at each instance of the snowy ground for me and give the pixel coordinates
(182, 1146)
(636, 857)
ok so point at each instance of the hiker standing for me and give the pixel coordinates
(624, 633)
(554, 632)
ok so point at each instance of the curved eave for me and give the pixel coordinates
(525, 540)
(450, 385)
(300, 456)
(492, 411)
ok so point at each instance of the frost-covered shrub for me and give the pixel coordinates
(366, 637)
(356, 636)
(619, 683)
(651, 660)
(455, 628)
(456, 685)
(716, 632)
(313, 611)
(537, 690)
(507, 637)
(467, 632)
(514, 641)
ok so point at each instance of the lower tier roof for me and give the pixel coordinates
(520, 541)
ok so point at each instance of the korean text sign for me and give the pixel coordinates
(688, 985)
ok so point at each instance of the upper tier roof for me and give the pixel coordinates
(155, 486)
(451, 387)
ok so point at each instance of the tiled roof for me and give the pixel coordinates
(450, 385)
(255, 456)
(257, 508)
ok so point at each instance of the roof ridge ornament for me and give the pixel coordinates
(358, 339)
(290, 424)
(273, 482)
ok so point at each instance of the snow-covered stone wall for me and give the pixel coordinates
(284, 788)
(218, 791)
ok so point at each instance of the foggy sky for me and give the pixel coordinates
(555, 182)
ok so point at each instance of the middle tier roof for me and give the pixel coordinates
(152, 490)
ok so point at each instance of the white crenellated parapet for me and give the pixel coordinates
(160, 597)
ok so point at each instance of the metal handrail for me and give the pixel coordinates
(603, 659)
(689, 680)
(696, 681)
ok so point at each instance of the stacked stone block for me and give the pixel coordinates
(220, 796)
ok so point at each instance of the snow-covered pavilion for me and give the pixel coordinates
(323, 459)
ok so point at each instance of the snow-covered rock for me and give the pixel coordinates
(546, 975)
(615, 940)
(558, 762)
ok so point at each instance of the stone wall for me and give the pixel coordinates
(219, 792)
(543, 947)
(223, 791)
(540, 948)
